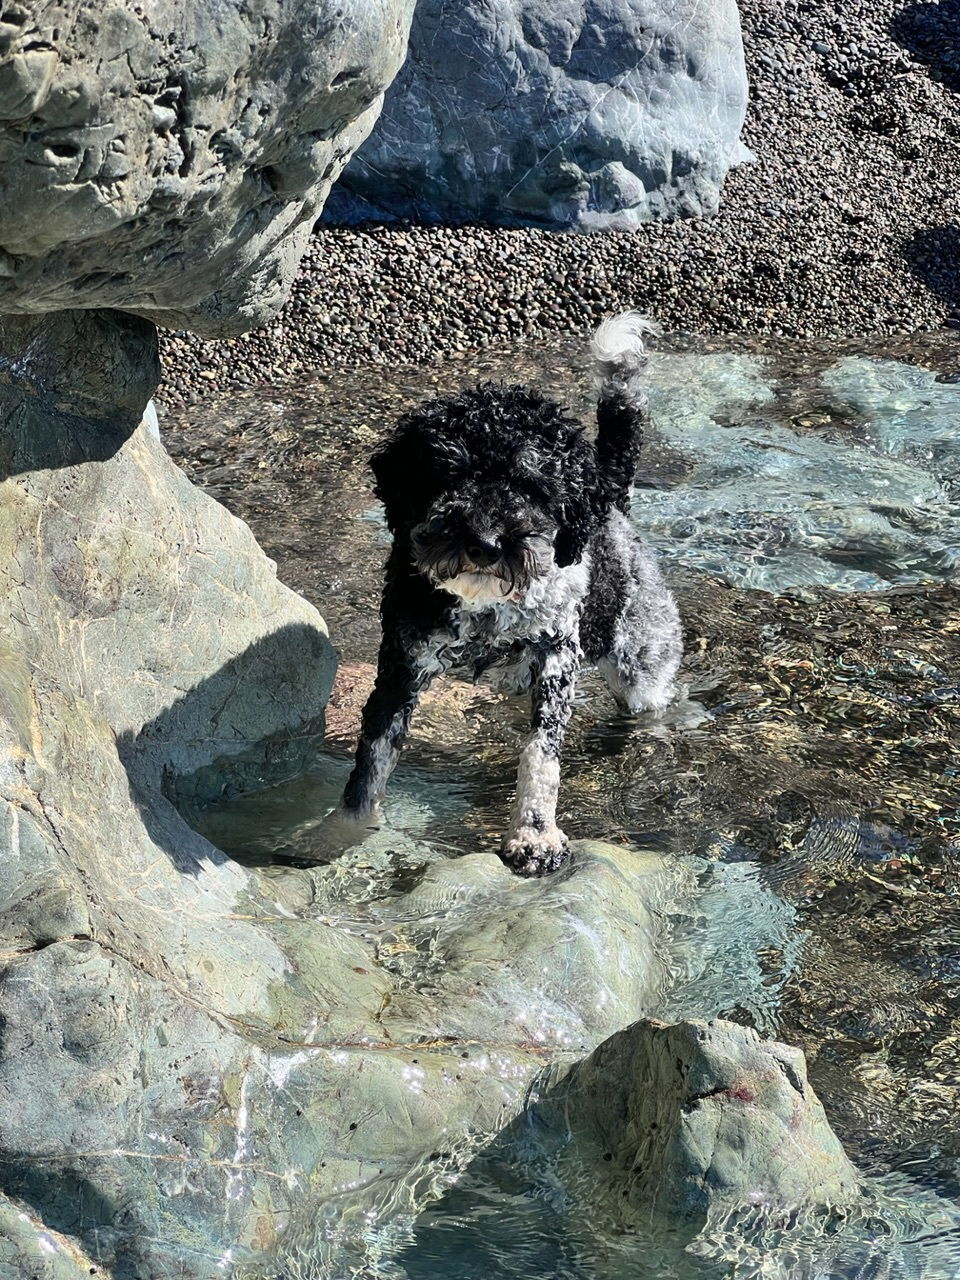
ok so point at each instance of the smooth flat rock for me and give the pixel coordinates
(855, 497)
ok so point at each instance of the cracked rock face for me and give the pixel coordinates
(170, 159)
(582, 113)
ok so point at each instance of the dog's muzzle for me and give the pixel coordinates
(480, 587)
(481, 568)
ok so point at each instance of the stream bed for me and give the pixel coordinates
(806, 506)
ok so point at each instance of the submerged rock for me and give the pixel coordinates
(686, 1119)
(691, 1149)
(478, 955)
(753, 495)
(566, 114)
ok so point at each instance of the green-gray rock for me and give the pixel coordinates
(28, 1248)
(697, 1118)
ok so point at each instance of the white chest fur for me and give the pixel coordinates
(482, 628)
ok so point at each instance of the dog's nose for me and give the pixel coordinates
(483, 549)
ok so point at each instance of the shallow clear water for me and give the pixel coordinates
(807, 509)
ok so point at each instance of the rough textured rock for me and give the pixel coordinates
(28, 1248)
(579, 112)
(142, 631)
(199, 1067)
(700, 1117)
(694, 1149)
(172, 159)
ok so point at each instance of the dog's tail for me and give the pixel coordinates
(620, 363)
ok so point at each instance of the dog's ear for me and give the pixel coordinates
(405, 470)
(580, 507)
(577, 526)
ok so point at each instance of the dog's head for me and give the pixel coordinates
(493, 487)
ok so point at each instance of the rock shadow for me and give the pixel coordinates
(933, 255)
(71, 441)
(62, 1198)
(930, 32)
(257, 721)
(73, 387)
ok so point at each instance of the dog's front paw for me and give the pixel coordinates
(341, 829)
(528, 852)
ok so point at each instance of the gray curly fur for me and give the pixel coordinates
(513, 555)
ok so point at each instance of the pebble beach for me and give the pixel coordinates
(846, 224)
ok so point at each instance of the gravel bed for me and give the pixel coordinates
(847, 224)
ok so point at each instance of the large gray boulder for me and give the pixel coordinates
(171, 159)
(581, 113)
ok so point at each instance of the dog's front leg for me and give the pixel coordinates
(386, 719)
(535, 844)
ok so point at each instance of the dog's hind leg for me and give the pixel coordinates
(534, 843)
(384, 725)
(646, 644)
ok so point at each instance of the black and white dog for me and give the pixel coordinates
(513, 552)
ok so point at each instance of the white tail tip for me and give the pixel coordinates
(618, 354)
(620, 339)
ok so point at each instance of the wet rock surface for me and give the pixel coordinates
(172, 162)
(29, 1248)
(562, 115)
(683, 1120)
(806, 787)
(675, 1151)
(855, 491)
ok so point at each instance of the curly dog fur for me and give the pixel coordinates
(513, 555)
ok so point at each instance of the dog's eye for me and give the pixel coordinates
(435, 524)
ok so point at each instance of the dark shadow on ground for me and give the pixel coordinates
(934, 256)
(255, 722)
(931, 34)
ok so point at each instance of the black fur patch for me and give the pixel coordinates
(608, 581)
(493, 457)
